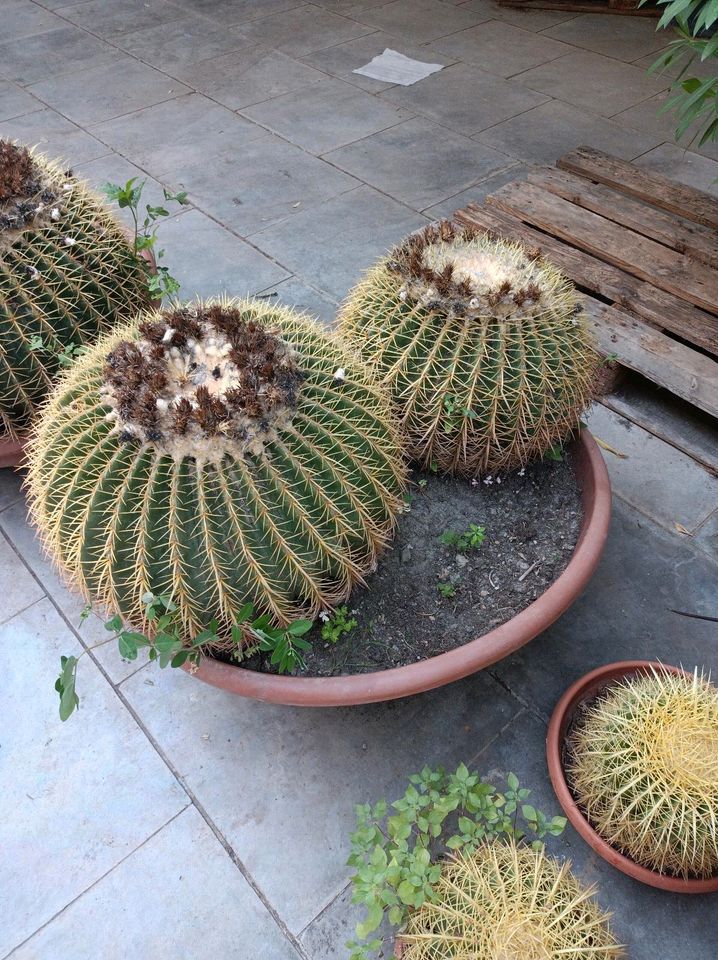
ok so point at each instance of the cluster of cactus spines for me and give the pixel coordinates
(257, 462)
(509, 902)
(482, 344)
(643, 765)
(67, 274)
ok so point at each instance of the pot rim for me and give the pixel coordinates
(454, 664)
(583, 688)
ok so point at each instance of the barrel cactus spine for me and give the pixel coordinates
(643, 766)
(67, 274)
(220, 453)
(482, 344)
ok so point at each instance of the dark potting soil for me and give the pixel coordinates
(531, 519)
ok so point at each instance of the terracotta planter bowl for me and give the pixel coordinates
(462, 661)
(586, 689)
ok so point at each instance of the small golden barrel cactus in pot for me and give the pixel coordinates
(509, 902)
(642, 763)
(67, 274)
(218, 454)
(482, 344)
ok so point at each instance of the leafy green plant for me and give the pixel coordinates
(128, 197)
(338, 624)
(554, 453)
(166, 646)
(395, 848)
(466, 540)
(447, 590)
(695, 100)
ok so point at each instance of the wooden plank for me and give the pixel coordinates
(639, 347)
(645, 184)
(580, 7)
(667, 228)
(656, 306)
(608, 241)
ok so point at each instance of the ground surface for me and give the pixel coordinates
(172, 821)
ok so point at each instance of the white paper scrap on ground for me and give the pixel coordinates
(394, 67)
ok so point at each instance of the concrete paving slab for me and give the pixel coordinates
(442, 163)
(208, 260)
(53, 53)
(54, 135)
(535, 20)
(595, 83)
(14, 102)
(273, 180)
(419, 20)
(624, 38)
(169, 136)
(295, 293)
(111, 90)
(525, 136)
(305, 767)
(180, 897)
(477, 192)
(18, 588)
(654, 477)
(326, 115)
(22, 18)
(77, 797)
(333, 244)
(302, 30)
(229, 12)
(682, 165)
(649, 117)
(181, 42)
(706, 537)
(465, 98)
(10, 487)
(111, 20)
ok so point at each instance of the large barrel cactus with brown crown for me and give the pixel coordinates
(482, 344)
(218, 453)
(67, 274)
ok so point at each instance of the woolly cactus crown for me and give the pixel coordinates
(482, 344)
(67, 273)
(508, 902)
(643, 764)
(220, 454)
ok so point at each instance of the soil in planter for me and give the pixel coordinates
(532, 521)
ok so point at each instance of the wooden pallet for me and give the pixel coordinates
(643, 252)
(628, 8)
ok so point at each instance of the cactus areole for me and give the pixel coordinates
(482, 344)
(211, 454)
(67, 274)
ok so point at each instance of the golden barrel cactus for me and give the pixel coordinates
(482, 344)
(509, 902)
(67, 274)
(643, 765)
(218, 454)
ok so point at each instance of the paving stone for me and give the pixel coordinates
(54, 135)
(272, 181)
(595, 83)
(648, 117)
(284, 757)
(624, 613)
(465, 98)
(325, 937)
(101, 93)
(18, 588)
(229, 12)
(477, 192)
(169, 136)
(654, 477)
(77, 797)
(193, 882)
(333, 244)
(326, 115)
(535, 20)
(10, 486)
(682, 165)
(624, 38)
(302, 30)
(182, 42)
(252, 75)
(295, 293)
(120, 16)
(525, 136)
(15, 526)
(208, 260)
(15, 102)
(22, 18)
(501, 48)
(53, 53)
(706, 538)
(442, 163)
(419, 19)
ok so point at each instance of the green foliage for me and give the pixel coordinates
(128, 197)
(695, 100)
(395, 848)
(166, 646)
(466, 540)
(554, 453)
(338, 624)
(447, 590)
